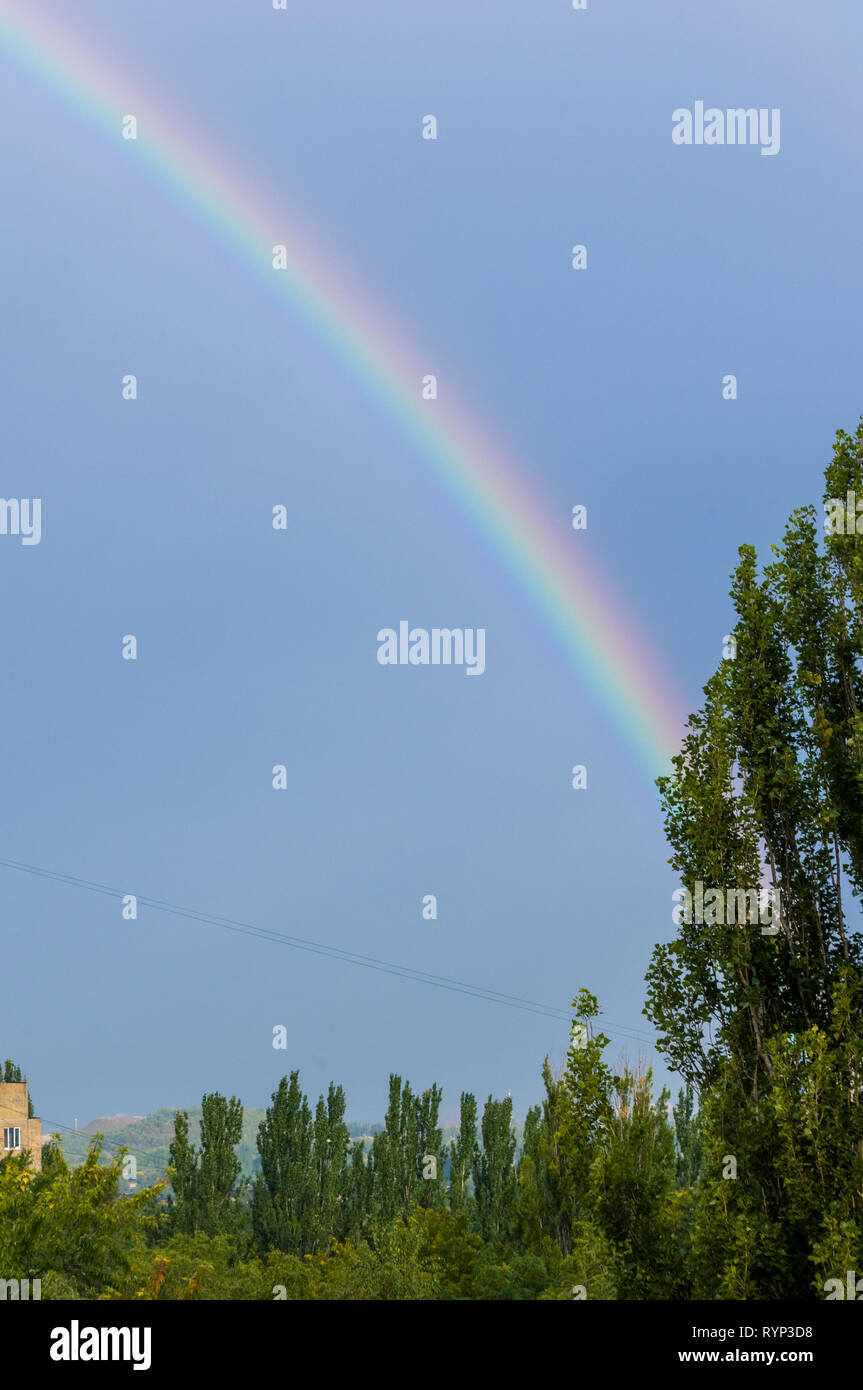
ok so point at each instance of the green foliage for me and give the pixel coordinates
(590, 1271)
(149, 1139)
(68, 1226)
(206, 1182)
(582, 1107)
(400, 1152)
(298, 1200)
(687, 1137)
(542, 1213)
(463, 1156)
(494, 1176)
(432, 1254)
(769, 1025)
(634, 1177)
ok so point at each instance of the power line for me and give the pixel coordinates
(513, 1001)
(87, 1134)
(105, 1145)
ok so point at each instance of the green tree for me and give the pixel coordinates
(463, 1155)
(768, 792)
(544, 1218)
(359, 1192)
(635, 1177)
(299, 1200)
(687, 1137)
(207, 1188)
(584, 1111)
(67, 1226)
(494, 1174)
(282, 1197)
(330, 1141)
(401, 1151)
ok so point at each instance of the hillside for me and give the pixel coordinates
(148, 1137)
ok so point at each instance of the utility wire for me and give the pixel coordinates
(513, 1001)
(49, 1126)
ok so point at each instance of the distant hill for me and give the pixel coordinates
(147, 1139)
(107, 1124)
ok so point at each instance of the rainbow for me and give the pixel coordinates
(536, 544)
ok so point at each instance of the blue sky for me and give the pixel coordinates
(256, 647)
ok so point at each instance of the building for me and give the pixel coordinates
(17, 1130)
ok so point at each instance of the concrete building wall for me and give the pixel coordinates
(14, 1104)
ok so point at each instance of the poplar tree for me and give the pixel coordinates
(544, 1216)
(207, 1180)
(281, 1195)
(219, 1169)
(181, 1172)
(494, 1175)
(359, 1193)
(402, 1150)
(768, 791)
(431, 1150)
(634, 1177)
(687, 1137)
(299, 1199)
(394, 1154)
(330, 1143)
(463, 1154)
(583, 1105)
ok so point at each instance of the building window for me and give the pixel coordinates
(12, 1138)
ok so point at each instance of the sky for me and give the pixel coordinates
(258, 647)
